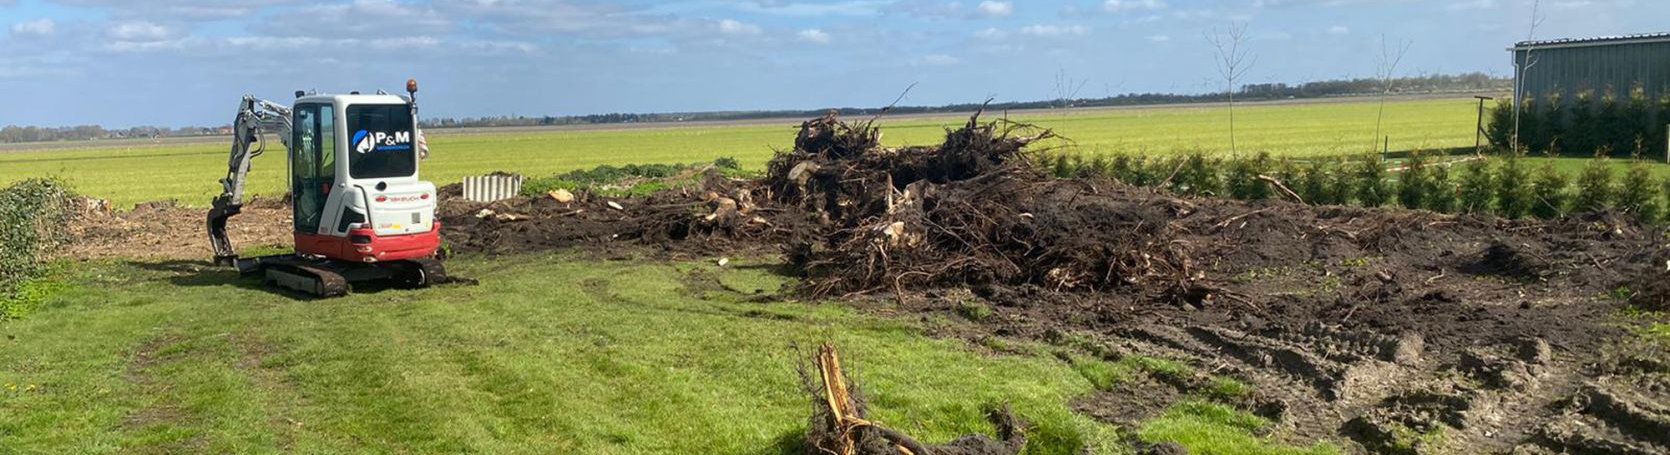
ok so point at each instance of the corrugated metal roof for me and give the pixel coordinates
(1595, 41)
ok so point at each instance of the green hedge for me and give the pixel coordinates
(1615, 124)
(33, 218)
(1506, 186)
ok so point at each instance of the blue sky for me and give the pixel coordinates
(186, 62)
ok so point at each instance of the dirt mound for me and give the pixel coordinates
(166, 230)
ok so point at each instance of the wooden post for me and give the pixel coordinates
(1478, 132)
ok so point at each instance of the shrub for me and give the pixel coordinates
(1594, 185)
(725, 162)
(1583, 135)
(1063, 166)
(1342, 184)
(1441, 197)
(1536, 123)
(1243, 178)
(1313, 183)
(1120, 169)
(1551, 125)
(1666, 191)
(1097, 167)
(32, 218)
(1198, 176)
(1636, 193)
(1513, 187)
(1144, 172)
(1474, 190)
(606, 175)
(1287, 172)
(1372, 189)
(1548, 191)
(1500, 127)
(1413, 184)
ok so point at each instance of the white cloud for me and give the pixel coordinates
(1339, 30)
(939, 60)
(273, 43)
(358, 19)
(1158, 38)
(1053, 31)
(810, 9)
(815, 36)
(1120, 6)
(991, 33)
(404, 42)
(42, 27)
(139, 32)
(1471, 4)
(732, 27)
(996, 9)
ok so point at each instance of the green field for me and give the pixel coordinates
(189, 173)
(617, 357)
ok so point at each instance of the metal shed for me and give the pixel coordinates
(1599, 65)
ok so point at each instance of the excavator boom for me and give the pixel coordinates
(256, 118)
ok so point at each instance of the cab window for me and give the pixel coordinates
(382, 143)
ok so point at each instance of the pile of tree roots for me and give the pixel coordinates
(972, 211)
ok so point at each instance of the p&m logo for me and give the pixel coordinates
(367, 142)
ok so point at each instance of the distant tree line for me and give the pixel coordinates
(13, 133)
(1470, 82)
(1441, 83)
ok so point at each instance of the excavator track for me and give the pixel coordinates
(307, 279)
(422, 273)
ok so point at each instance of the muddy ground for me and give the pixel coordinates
(1389, 331)
(167, 230)
(1373, 327)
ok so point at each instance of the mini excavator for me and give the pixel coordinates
(360, 211)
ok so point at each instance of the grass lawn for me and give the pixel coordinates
(549, 354)
(189, 173)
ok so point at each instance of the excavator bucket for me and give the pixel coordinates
(224, 254)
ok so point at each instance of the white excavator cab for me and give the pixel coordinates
(354, 166)
(360, 210)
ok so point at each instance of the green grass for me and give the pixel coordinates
(189, 173)
(1212, 429)
(549, 354)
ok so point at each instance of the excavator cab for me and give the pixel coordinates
(354, 180)
(361, 212)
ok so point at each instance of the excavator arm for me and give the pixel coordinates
(256, 118)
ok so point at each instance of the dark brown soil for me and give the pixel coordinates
(166, 230)
(1359, 325)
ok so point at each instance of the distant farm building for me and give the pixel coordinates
(1591, 95)
(1616, 65)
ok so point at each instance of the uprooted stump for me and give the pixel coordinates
(840, 424)
(972, 211)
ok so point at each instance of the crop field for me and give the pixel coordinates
(188, 173)
(978, 303)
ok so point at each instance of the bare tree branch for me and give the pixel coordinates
(1389, 59)
(1522, 66)
(1233, 60)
